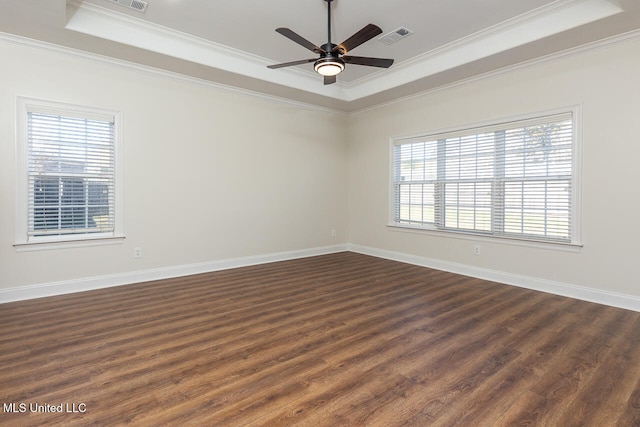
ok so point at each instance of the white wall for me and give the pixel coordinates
(606, 82)
(210, 174)
(252, 176)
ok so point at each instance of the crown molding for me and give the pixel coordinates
(50, 47)
(104, 23)
(128, 65)
(557, 17)
(589, 47)
(535, 25)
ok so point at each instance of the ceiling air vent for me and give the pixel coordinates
(139, 5)
(395, 35)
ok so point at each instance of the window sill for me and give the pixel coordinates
(477, 237)
(76, 242)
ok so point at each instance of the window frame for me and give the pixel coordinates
(575, 241)
(25, 242)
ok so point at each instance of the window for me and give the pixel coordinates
(68, 171)
(513, 180)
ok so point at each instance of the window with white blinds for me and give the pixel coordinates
(511, 179)
(71, 173)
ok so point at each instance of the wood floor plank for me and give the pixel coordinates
(339, 339)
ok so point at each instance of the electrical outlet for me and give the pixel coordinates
(333, 233)
(137, 252)
(476, 250)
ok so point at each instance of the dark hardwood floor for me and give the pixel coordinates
(335, 340)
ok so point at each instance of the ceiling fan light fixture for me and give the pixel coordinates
(329, 66)
(330, 63)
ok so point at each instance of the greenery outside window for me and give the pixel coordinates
(514, 180)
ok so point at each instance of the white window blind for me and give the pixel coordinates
(71, 173)
(511, 180)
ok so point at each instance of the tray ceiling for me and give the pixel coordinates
(231, 43)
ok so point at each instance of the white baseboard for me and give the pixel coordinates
(625, 301)
(599, 296)
(91, 283)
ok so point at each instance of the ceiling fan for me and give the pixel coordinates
(332, 58)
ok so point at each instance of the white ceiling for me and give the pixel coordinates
(232, 42)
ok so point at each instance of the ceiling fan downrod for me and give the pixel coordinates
(329, 45)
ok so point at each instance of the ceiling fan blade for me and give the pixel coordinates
(290, 34)
(329, 80)
(365, 34)
(289, 64)
(371, 62)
